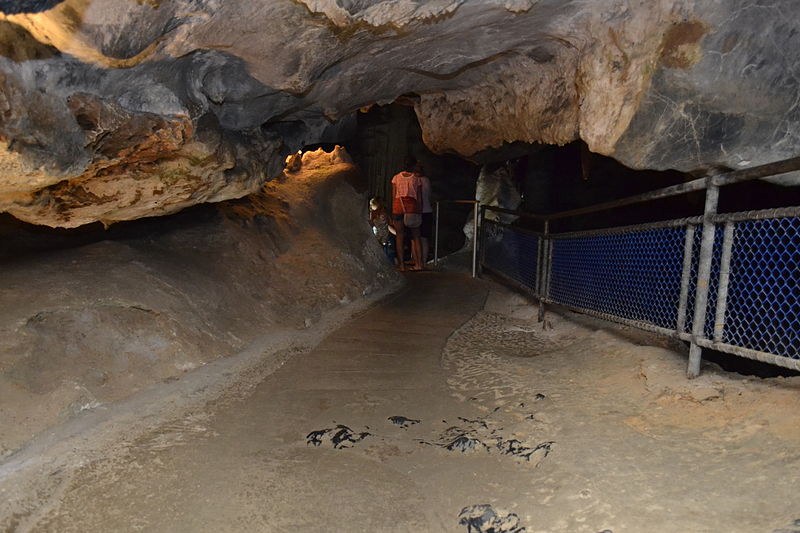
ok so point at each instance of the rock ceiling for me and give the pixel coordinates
(118, 109)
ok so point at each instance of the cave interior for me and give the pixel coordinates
(189, 273)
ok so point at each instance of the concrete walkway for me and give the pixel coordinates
(316, 447)
(247, 465)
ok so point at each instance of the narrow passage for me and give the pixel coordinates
(248, 466)
(447, 407)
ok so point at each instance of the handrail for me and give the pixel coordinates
(695, 267)
(517, 213)
(775, 168)
(720, 180)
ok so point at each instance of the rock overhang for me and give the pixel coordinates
(220, 92)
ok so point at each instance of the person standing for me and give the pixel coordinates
(426, 229)
(407, 213)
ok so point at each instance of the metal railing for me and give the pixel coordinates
(475, 223)
(728, 282)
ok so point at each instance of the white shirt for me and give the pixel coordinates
(426, 195)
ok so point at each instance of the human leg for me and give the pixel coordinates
(400, 241)
(426, 233)
(416, 249)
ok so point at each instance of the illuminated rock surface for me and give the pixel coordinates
(102, 315)
(117, 110)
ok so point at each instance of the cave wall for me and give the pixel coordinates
(383, 141)
(89, 316)
(723, 93)
(560, 178)
(116, 110)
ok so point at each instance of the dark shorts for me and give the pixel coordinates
(426, 230)
(397, 217)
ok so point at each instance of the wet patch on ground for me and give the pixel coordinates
(403, 421)
(486, 519)
(488, 435)
(339, 437)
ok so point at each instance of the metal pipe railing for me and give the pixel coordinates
(724, 278)
(738, 176)
(475, 207)
(703, 278)
(686, 273)
(704, 260)
(545, 246)
(436, 238)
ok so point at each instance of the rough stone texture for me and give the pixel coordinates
(215, 94)
(724, 92)
(91, 324)
(523, 99)
(77, 156)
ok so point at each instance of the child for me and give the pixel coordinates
(383, 231)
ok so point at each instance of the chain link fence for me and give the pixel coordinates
(762, 311)
(508, 250)
(635, 274)
(747, 266)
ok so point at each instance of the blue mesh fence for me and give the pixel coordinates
(634, 275)
(763, 311)
(511, 253)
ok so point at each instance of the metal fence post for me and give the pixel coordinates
(548, 269)
(436, 238)
(482, 252)
(703, 277)
(724, 276)
(683, 300)
(542, 268)
(475, 240)
(539, 262)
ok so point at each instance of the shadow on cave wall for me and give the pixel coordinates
(13, 7)
(20, 239)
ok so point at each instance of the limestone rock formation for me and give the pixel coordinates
(113, 110)
(94, 322)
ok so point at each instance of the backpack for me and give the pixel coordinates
(410, 204)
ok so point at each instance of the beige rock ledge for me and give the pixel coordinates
(132, 109)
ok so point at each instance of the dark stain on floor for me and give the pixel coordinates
(403, 421)
(485, 519)
(340, 436)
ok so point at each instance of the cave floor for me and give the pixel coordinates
(577, 428)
